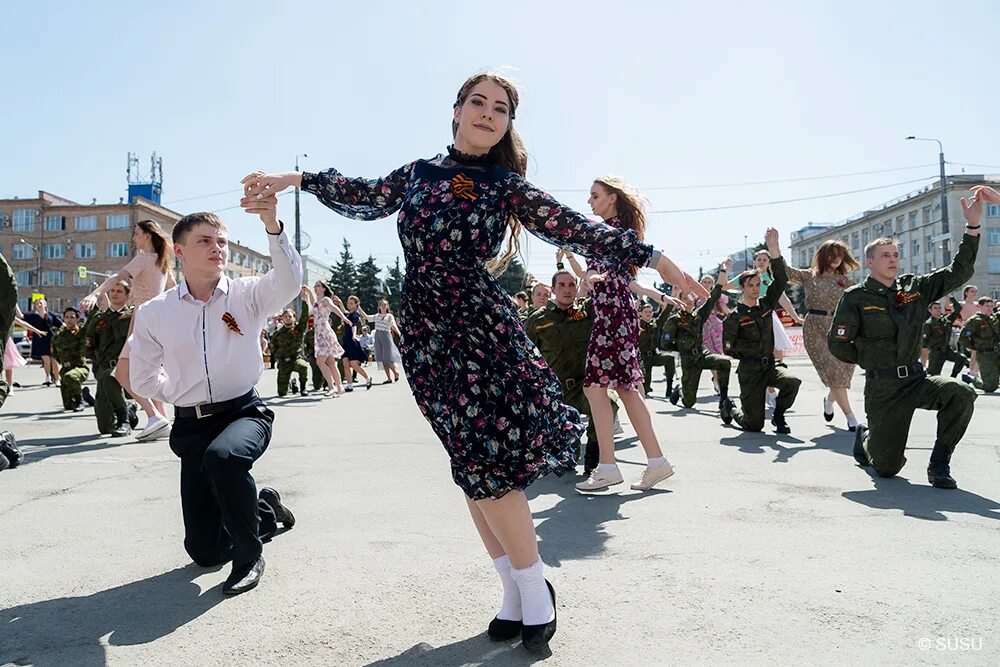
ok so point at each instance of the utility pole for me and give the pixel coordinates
(945, 229)
(298, 216)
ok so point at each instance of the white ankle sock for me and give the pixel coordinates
(852, 420)
(536, 601)
(656, 462)
(510, 607)
(604, 468)
(827, 405)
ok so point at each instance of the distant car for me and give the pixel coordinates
(21, 341)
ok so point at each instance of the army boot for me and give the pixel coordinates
(122, 427)
(939, 470)
(87, 396)
(726, 407)
(779, 423)
(8, 449)
(859, 448)
(133, 415)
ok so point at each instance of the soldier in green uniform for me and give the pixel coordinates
(748, 335)
(877, 325)
(286, 346)
(936, 337)
(561, 332)
(309, 353)
(685, 333)
(10, 455)
(650, 332)
(981, 334)
(106, 334)
(69, 348)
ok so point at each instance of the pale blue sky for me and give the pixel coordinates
(664, 93)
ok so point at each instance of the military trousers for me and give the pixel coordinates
(223, 518)
(318, 381)
(691, 367)
(109, 400)
(651, 361)
(755, 377)
(71, 379)
(937, 356)
(989, 370)
(890, 404)
(285, 371)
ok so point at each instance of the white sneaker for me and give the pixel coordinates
(618, 427)
(653, 476)
(156, 428)
(598, 481)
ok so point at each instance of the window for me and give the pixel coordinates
(55, 251)
(854, 240)
(24, 220)
(916, 248)
(866, 236)
(877, 230)
(929, 244)
(945, 252)
(899, 224)
(117, 249)
(55, 223)
(994, 264)
(24, 279)
(930, 266)
(86, 250)
(996, 294)
(993, 236)
(118, 221)
(22, 303)
(925, 215)
(23, 251)
(993, 210)
(902, 251)
(86, 223)
(53, 278)
(913, 219)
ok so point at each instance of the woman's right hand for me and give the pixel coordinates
(88, 302)
(262, 184)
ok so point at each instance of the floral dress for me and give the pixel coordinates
(326, 344)
(488, 395)
(613, 350)
(711, 335)
(823, 293)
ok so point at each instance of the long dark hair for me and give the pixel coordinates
(326, 290)
(509, 153)
(161, 245)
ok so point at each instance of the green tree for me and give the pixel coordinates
(512, 280)
(393, 285)
(368, 284)
(344, 278)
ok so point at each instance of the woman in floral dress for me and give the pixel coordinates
(488, 395)
(328, 350)
(824, 284)
(613, 351)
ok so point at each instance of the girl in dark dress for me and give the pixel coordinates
(354, 356)
(40, 345)
(489, 396)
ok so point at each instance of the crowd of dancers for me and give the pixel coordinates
(506, 383)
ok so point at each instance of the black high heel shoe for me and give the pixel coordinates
(536, 637)
(502, 631)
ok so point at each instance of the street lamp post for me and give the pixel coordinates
(38, 262)
(298, 232)
(944, 186)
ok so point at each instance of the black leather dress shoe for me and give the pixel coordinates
(675, 395)
(726, 406)
(859, 451)
(827, 416)
(939, 475)
(502, 631)
(8, 447)
(780, 425)
(4, 464)
(281, 513)
(244, 578)
(536, 637)
(133, 415)
(87, 397)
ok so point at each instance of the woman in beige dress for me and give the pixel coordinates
(824, 283)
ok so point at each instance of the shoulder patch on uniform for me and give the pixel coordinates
(878, 308)
(544, 326)
(840, 331)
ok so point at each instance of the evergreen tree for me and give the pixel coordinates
(393, 285)
(368, 285)
(344, 279)
(512, 280)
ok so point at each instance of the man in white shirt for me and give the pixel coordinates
(196, 347)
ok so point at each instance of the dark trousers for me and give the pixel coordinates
(691, 367)
(223, 519)
(649, 361)
(938, 355)
(755, 378)
(110, 400)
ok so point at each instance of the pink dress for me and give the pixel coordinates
(147, 282)
(11, 357)
(326, 344)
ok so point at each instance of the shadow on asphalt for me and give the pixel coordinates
(69, 631)
(750, 442)
(836, 441)
(573, 528)
(474, 651)
(922, 501)
(62, 446)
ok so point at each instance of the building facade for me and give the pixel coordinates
(47, 239)
(925, 242)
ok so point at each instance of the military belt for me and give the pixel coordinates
(904, 372)
(814, 311)
(208, 409)
(757, 361)
(569, 383)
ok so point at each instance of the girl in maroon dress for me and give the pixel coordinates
(613, 354)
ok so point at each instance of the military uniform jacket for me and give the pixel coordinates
(748, 331)
(286, 342)
(936, 334)
(562, 337)
(106, 334)
(650, 332)
(69, 346)
(981, 333)
(689, 336)
(879, 327)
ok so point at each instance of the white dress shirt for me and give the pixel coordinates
(184, 353)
